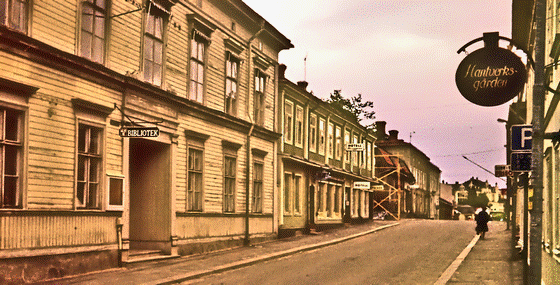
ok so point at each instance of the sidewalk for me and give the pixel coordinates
(491, 261)
(191, 267)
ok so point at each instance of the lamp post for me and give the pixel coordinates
(509, 191)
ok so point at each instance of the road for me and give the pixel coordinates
(415, 252)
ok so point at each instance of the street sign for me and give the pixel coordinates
(520, 161)
(377, 187)
(365, 185)
(521, 137)
(139, 132)
(502, 170)
(355, 147)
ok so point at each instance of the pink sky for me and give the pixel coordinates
(402, 55)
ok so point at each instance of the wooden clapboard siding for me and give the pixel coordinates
(125, 38)
(54, 22)
(36, 231)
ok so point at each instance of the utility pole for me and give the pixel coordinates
(535, 248)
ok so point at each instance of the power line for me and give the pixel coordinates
(471, 153)
(493, 174)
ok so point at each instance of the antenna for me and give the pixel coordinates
(305, 68)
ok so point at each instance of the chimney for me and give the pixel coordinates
(380, 130)
(303, 84)
(393, 135)
(282, 71)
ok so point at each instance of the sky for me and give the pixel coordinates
(402, 56)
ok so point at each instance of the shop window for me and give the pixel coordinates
(287, 193)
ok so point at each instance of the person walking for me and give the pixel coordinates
(482, 219)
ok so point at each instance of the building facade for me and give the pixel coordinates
(316, 172)
(82, 188)
(523, 19)
(423, 197)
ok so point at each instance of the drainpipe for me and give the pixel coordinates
(246, 240)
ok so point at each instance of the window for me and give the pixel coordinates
(337, 198)
(153, 46)
(232, 64)
(330, 132)
(197, 73)
(297, 194)
(338, 143)
(347, 142)
(11, 160)
(13, 14)
(258, 177)
(92, 42)
(313, 133)
(259, 97)
(330, 204)
(355, 153)
(288, 122)
(116, 193)
(321, 136)
(230, 166)
(299, 126)
(368, 157)
(89, 166)
(287, 196)
(194, 179)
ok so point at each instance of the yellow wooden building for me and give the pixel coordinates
(77, 192)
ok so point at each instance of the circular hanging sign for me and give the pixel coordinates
(490, 76)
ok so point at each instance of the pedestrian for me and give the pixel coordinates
(482, 219)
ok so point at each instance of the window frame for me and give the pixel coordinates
(330, 140)
(298, 132)
(259, 96)
(288, 182)
(99, 156)
(115, 207)
(288, 122)
(19, 144)
(197, 66)
(322, 132)
(231, 83)
(96, 10)
(313, 133)
(229, 194)
(298, 179)
(196, 203)
(7, 18)
(154, 13)
(258, 186)
(338, 142)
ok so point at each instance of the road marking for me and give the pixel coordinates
(453, 267)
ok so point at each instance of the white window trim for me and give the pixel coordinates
(322, 134)
(289, 139)
(298, 133)
(312, 147)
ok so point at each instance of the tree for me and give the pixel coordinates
(355, 107)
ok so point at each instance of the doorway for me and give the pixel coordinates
(150, 192)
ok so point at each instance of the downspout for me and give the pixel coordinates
(246, 240)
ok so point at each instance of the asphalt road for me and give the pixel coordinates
(415, 252)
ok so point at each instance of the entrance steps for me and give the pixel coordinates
(144, 255)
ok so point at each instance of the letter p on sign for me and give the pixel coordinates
(521, 137)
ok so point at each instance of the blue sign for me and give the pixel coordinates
(521, 137)
(520, 161)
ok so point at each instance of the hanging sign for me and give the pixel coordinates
(490, 76)
(139, 132)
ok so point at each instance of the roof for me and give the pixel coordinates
(385, 163)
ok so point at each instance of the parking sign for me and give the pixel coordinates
(521, 137)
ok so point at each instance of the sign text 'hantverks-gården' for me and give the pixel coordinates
(490, 76)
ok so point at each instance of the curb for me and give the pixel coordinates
(251, 261)
(448, 273)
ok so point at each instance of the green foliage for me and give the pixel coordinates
(354, 106)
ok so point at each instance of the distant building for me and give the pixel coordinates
(316, 172)
(425, 193)
(446, 202)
